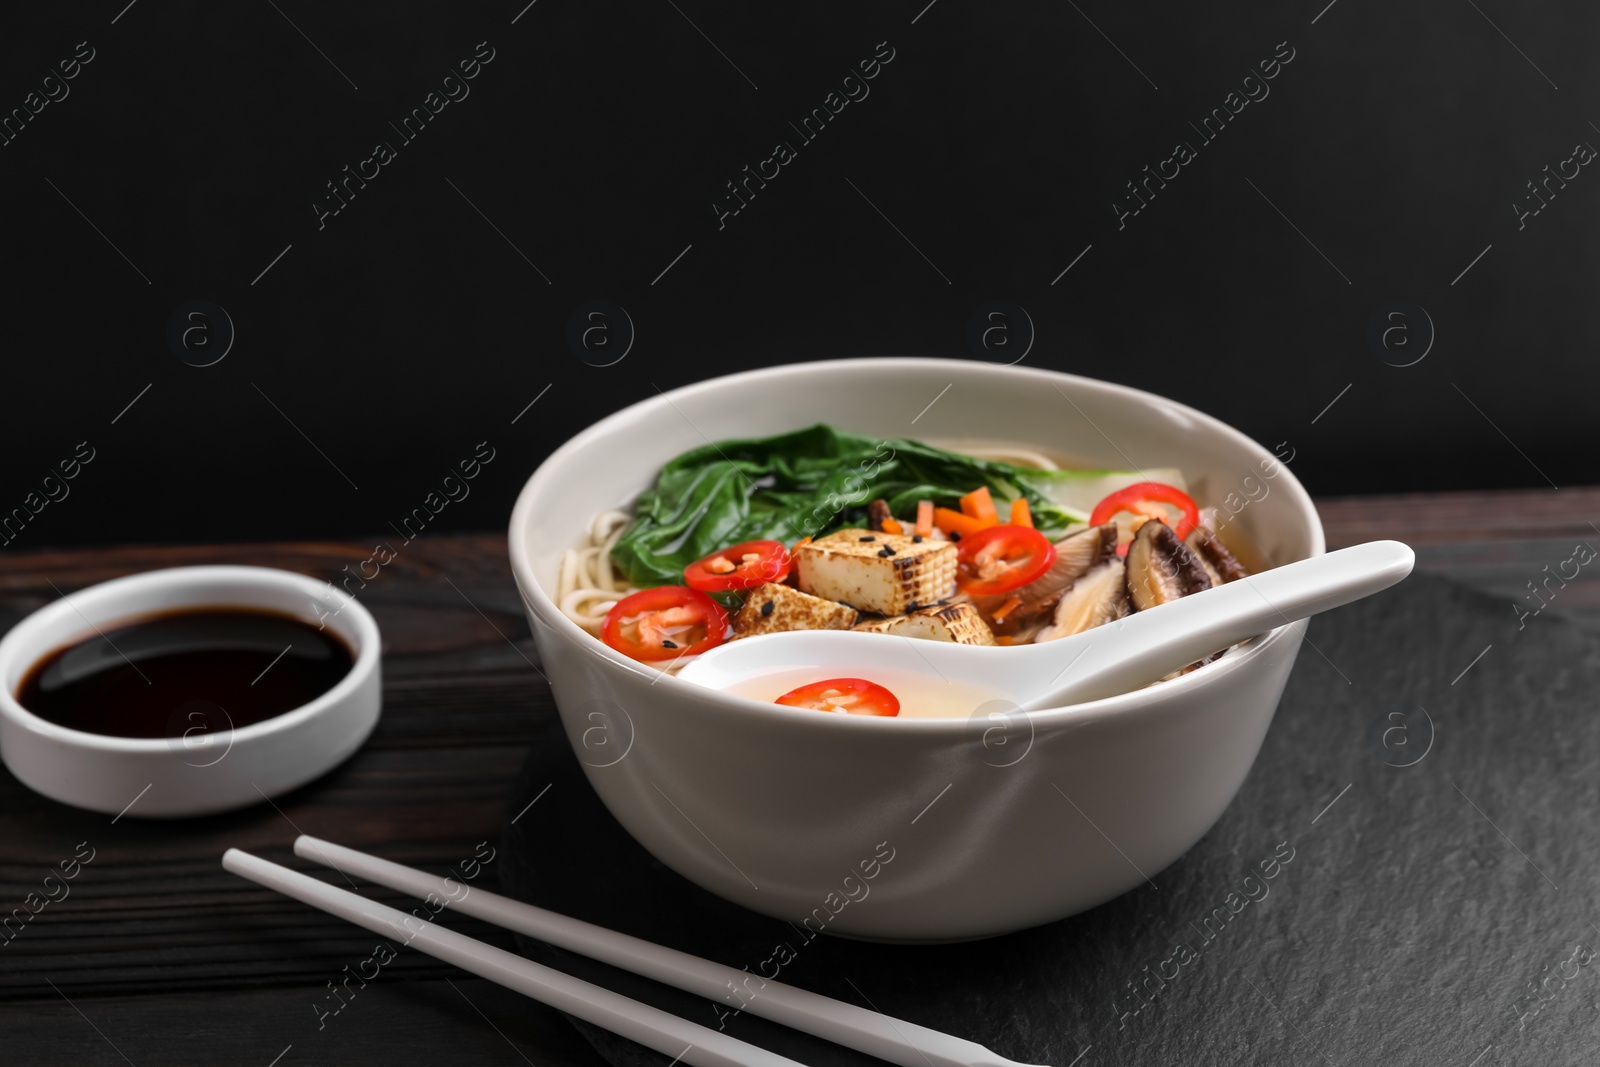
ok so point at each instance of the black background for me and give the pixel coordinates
(381, 348)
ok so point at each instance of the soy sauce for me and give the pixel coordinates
(168, 674)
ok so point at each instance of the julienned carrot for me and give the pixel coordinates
(892, 526)
(957, 523)
(1020, 514)
(924, 526)
(979, 505)
(1011, 604)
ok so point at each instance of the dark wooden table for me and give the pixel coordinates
(160, 957)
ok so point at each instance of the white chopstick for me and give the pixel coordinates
(888, 1038)
(651, 1027)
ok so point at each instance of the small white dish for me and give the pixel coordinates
(198, 773)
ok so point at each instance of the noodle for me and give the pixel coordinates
(1017, 457)
(589, 585)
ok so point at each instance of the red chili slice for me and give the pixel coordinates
(1002, 558)
(1145, 499)
(665, 623)
(854, 696)
(743, 566)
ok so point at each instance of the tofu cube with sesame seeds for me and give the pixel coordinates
(959, 623)
(886, 574)
(774, 608)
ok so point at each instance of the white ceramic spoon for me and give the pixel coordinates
(1115, 658)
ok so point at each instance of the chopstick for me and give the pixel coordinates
(888, 1038)
(651, 1027)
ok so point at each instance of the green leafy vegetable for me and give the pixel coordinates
(813, 481)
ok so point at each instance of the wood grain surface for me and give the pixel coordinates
(157, 956)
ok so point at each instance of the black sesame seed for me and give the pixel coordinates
(916, 539)
(913, 606)
(669, 644)
(866, 539)
(885, 551)
(766, 609)
(954, 536)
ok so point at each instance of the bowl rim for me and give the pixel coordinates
(13, 646)
(1150, 700)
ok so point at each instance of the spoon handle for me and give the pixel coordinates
(1145, 646)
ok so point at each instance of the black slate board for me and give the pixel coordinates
(1420, 906)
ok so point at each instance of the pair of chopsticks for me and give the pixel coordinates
(867, 1031)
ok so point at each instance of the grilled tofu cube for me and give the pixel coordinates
(774, 608)
(960, 623)
(877, 572)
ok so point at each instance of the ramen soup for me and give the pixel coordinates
(977, 543)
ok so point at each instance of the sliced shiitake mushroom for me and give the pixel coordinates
(1222, 565)
(1084, 549)
(1099, 597)
(1162, 568)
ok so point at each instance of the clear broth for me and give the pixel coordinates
(921, 695)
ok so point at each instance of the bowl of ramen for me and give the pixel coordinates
(922, 500)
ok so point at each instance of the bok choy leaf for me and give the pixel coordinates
(810, 482)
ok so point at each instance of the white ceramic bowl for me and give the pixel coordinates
(209, 768)
(908, 829)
